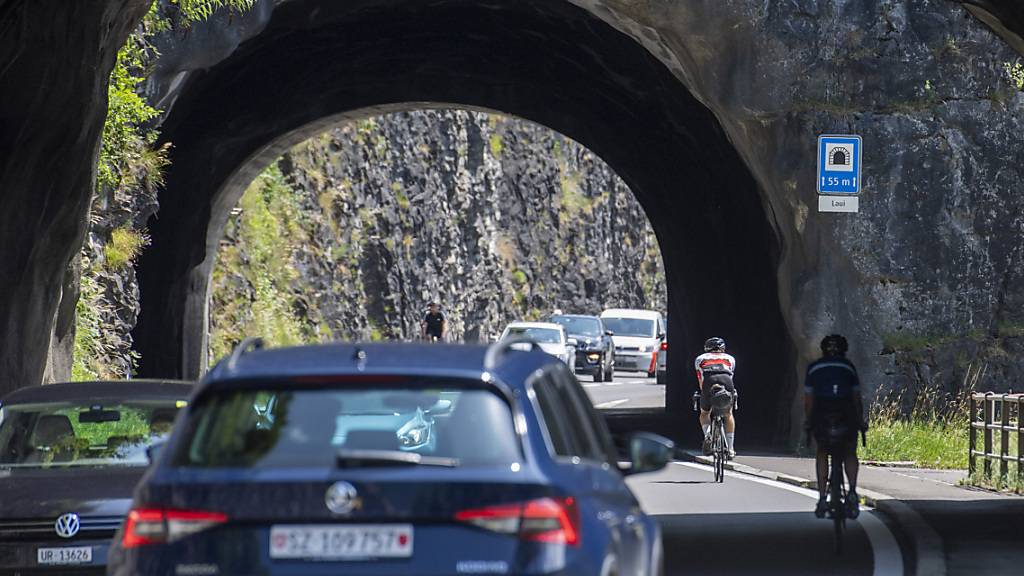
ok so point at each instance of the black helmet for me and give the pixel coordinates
(714, 344)
(834, 344)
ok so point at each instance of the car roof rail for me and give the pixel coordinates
(496, 352)
(244, 347)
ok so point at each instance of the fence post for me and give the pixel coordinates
(988, 436)
(1004, 438)
(973, 437)
(1020, 439)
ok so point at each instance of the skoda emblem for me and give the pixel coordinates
(67, 525)
(341, 498)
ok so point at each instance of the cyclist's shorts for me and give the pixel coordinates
(710, 379)
(835, 423)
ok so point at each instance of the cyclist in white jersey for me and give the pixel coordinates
(713, 367)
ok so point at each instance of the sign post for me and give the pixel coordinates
(839, 173)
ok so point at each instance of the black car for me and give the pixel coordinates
(70, 456)
(391, 459)
(595, 351)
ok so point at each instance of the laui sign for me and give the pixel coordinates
(839, 173)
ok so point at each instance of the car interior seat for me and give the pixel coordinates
(53, 435)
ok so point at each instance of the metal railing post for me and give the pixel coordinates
(1004, 438)
(973, 436)
(988, 435)
(1020, 439)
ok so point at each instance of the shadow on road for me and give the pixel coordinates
(784, 543)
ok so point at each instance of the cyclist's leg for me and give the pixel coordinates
(821, 469)
(730, 420)
(852, 465)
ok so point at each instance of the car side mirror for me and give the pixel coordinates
(661, 335)
(609, 333)
(648, 453)
(153, 450)
(572, 342)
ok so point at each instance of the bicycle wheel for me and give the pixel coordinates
(838, 502)
(719, 447)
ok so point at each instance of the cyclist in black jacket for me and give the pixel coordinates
(434, 325)
(832, 398)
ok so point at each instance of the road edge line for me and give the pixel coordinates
(929, 554)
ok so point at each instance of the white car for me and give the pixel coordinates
(637, 335)
(550, 336)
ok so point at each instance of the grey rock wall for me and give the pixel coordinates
(496, 218)
(928, 279)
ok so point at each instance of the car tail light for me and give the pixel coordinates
(556, 521)
(664, 345)
(160, 526)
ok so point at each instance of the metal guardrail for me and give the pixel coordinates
(1000, 413)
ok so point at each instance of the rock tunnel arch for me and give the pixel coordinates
(549, 62)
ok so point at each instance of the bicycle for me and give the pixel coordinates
(835, 451)
(719, 449)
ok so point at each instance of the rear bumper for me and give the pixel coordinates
(21, 557)
(635, 361)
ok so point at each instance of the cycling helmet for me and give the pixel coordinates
(834, 344)
(715, 344)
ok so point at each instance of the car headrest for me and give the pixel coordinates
(52, 428)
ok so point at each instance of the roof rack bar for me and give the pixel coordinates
(245, 346)
(496, 351)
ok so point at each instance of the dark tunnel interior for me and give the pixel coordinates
(549, 62)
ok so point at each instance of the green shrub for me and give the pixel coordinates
(124, 247)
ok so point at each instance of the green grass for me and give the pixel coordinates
(124, 247)
(934, 434)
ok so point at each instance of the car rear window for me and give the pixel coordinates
(83, 433)
(287, 427)
(637, 327)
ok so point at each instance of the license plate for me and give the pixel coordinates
(60, 556)
(341, 542)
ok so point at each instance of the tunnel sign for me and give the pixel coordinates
(839, 164)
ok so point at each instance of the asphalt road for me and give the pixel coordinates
(749, 525)
(626, 390)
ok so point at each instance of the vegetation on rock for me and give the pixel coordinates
(351, 233)
(128, 173)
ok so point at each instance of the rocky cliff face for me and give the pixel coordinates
(496, 218)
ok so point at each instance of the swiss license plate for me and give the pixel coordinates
(341, 542)
(60, 556)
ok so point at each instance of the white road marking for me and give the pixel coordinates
(612, 403)
(887, 557)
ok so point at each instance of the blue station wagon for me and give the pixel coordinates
(391, 459)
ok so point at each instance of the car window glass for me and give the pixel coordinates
(83, 433)
(563, 439)
(577, 417)
(577, 325)
(289, 427)
(636, 327)
(542, 335)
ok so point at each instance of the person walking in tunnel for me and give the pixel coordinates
(832, 400)
(434, 324)
(715, 369)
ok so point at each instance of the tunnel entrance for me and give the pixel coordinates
(549, 62)
(350, 234)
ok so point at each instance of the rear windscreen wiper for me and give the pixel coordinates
(375, 458)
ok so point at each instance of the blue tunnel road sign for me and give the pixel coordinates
(839, 164)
